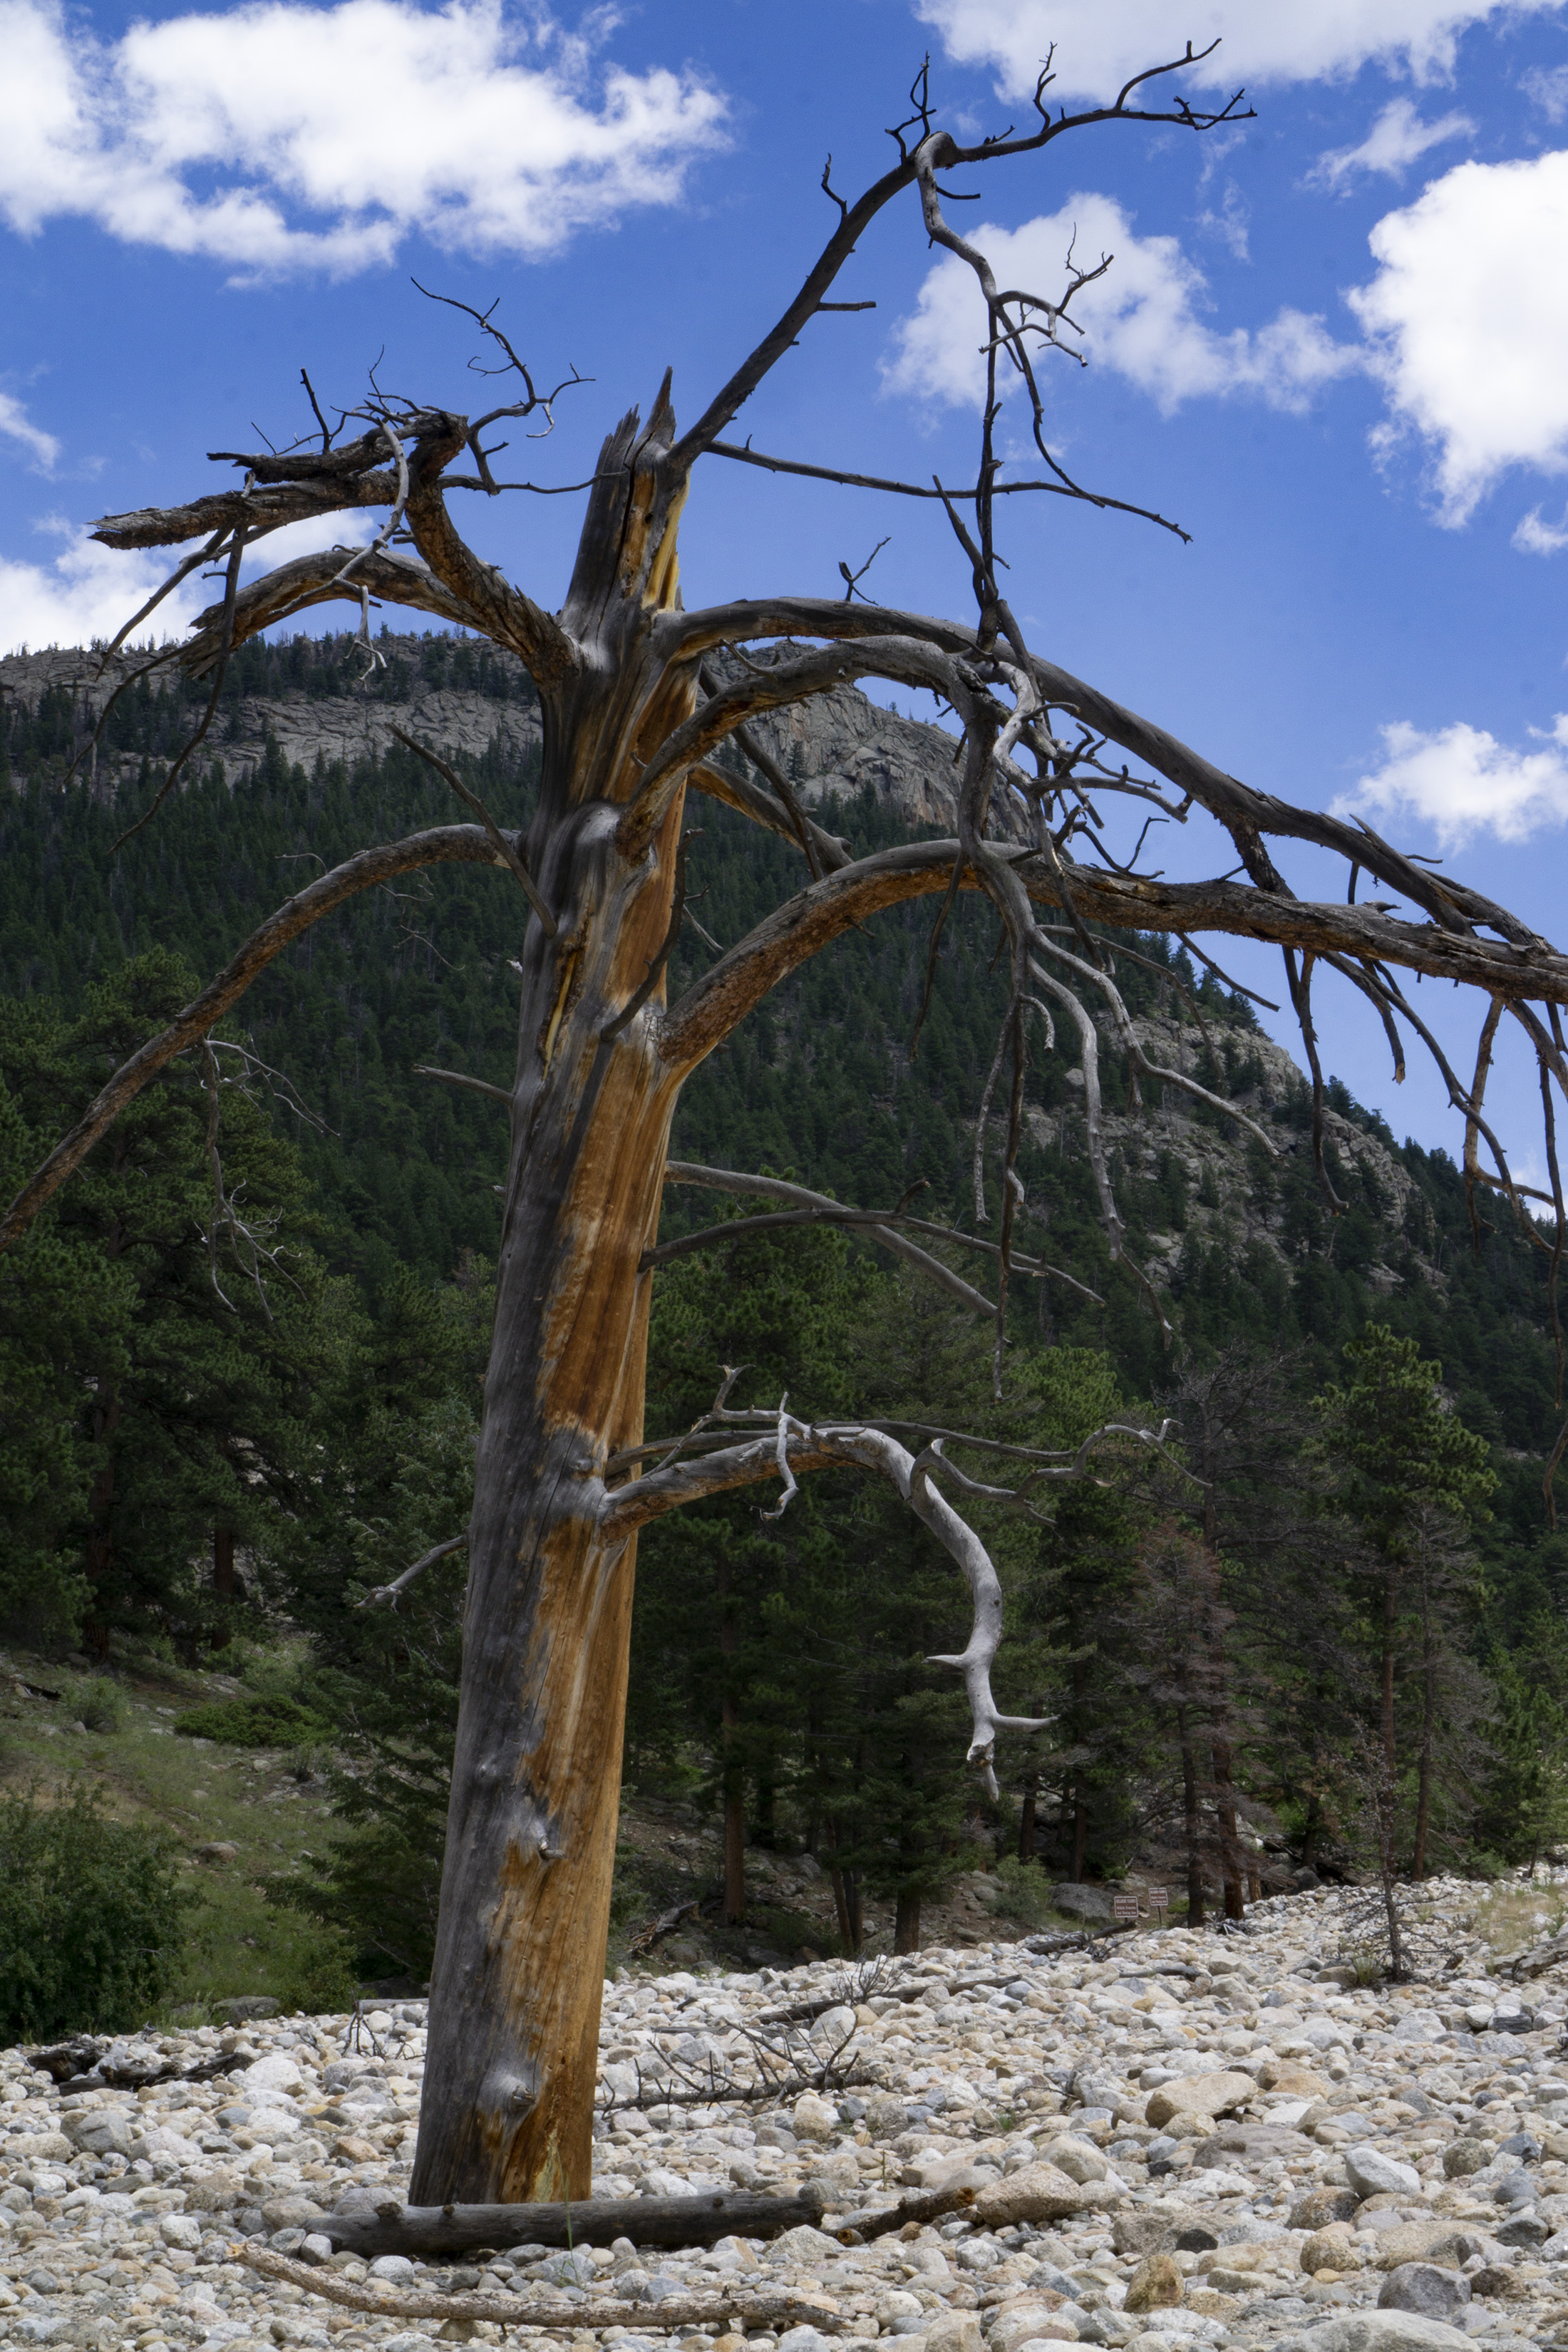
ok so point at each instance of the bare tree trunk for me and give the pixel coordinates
(1390, 1592)
(525, 1890)
(907, 1922)
(1079, 1831)
(226, 1582)
(98, 1559)
(1428, 1741)
(1192, 1821)
(1309, 1833)
(1231, 1864)
(734, 1909)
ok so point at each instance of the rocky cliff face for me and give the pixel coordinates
(840, 745)
(1218, 1171)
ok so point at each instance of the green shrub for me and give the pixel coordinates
(267, 1722)
(377, 1893)
(92, 1922)
(1021, 1891)
(99, 1705)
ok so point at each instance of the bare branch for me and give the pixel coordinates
(506, 850)
(225, 647)
(723, 1180)
(1062, 489)
(381, 1596)
(804, 924)
(737, 791)
(314, 580)
(461, 1078)
(465, 844)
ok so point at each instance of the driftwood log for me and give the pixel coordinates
(426, 2230)
(749, 2301)
(670, 2221)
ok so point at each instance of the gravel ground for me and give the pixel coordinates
(1200, 2139)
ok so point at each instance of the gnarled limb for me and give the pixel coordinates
(380, 1595)
(318, 580)
(463, 844)
(258, 511)
(798, 930)
(788, 1446)
(905, 659)
(747, 800)
(818, 1207)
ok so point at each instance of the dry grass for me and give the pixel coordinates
(1517, 1916)
(201, 1791)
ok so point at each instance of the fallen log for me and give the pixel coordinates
(757, 2306)
(395, 2229)
(853, 2228)
(646, 1938)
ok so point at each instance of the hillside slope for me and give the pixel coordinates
(819, 1081)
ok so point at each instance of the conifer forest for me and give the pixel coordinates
(241, 1357)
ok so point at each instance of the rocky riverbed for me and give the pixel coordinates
(1191, 2139)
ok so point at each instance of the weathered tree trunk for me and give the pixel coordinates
(846, 1896)
(734, 1788)
(1232, 1865)
(1385, 1677)
(1428, 1740)
(1192, 1821)
(1080, 1833)
(525, 1889)
(1027, 1820)
(99, 1554)
(907, 1922)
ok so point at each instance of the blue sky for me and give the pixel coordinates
(1333, 344)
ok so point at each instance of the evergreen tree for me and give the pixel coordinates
(190, 1355)
(1413, 1477)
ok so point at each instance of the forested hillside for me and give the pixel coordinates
(283, 1387)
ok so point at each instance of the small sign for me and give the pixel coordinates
(1158, 1898)
(1124, 1906)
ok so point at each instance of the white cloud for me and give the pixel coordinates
(350, 530)
(15, 426)
(1396, 140)
(1140, 320)
(1100, 43)
(88, 592)
(1547, 88)
(1462, 781)
(278, 135)
(1230, 223)
(1468, 319)
(1535, 536)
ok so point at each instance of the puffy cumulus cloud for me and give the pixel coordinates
(279, 136)
(15, 426)
(87, 592)
(1099, 44)
(83, 593)
(1462, 781)
(1467, 319)
(1396, 140)
(1141, 318)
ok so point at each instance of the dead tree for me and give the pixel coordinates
(641, 701)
